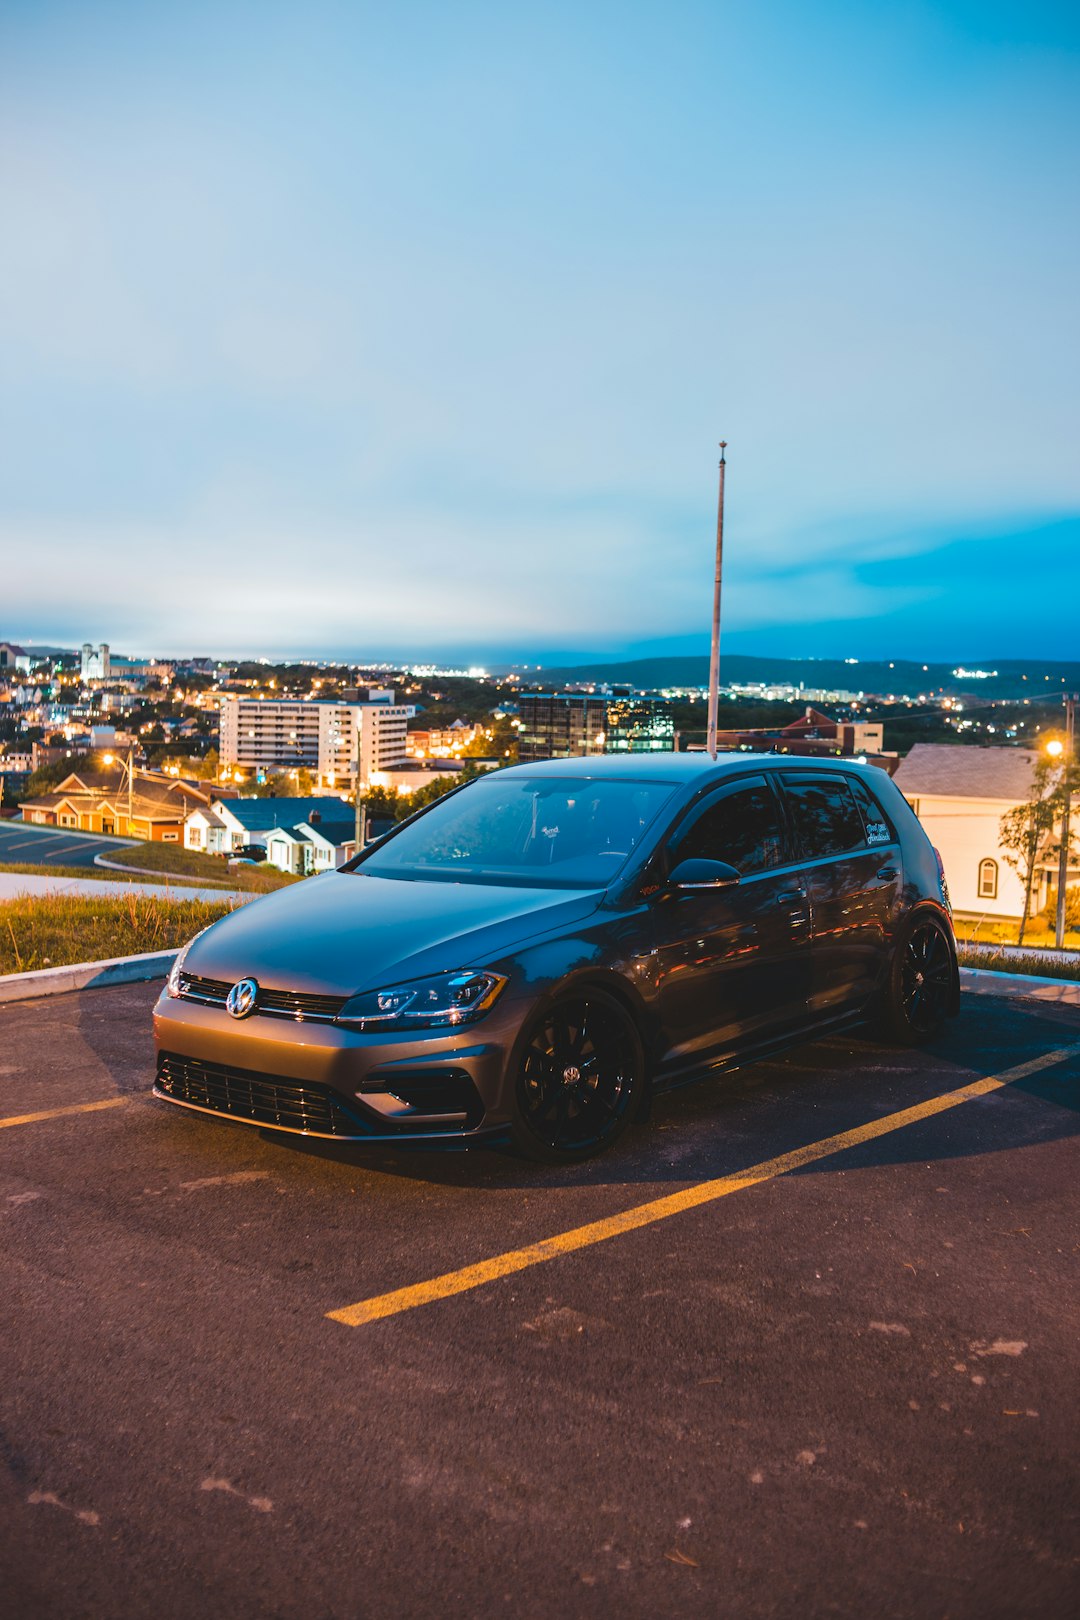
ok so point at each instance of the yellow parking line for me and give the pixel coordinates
(58, 1113)
(660, 1209)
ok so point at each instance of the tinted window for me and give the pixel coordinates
(878, 828)
(826, 819)
(555, 832)
(742, 828)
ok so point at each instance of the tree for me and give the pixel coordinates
(46, 777)
(381, 802)
(1026, 833)
(294, 784)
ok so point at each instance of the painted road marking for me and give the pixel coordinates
(661, 1209)
(58, 1113)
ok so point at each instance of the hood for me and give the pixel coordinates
(342, 932)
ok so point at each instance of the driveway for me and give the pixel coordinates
(54, 846)
(803, 1345)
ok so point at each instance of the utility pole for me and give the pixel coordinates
(361, 808)
(131, 788)
(1068, 759)
(361, 819)
(714, 659)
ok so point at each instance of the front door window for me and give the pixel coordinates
(733, 963)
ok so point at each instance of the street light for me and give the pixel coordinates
(1064, 751)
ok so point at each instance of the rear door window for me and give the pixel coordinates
(742, 826)
(827, 820)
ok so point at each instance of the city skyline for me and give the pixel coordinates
(339, 332)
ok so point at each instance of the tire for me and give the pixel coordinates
(579, 1078)
(918, 996)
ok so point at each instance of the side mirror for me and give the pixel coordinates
(701, 874)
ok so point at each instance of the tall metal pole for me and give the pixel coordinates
(714, 658)
(131, 788)
(361, 807)
(1066, 805)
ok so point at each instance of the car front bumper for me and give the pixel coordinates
(324, 1079)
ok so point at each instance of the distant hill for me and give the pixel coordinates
(1015, 678)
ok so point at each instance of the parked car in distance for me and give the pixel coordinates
(538, 952)
(250, 852)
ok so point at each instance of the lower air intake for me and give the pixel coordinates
(264, 1099)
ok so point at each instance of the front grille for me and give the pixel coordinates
(295, 1004)
(210, 991)
(264, 1098)
(298, 1004)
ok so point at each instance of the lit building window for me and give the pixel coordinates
(988, 880)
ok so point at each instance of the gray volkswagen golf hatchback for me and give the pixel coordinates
(535, 954)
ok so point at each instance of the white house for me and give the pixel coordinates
(311, 847)
(226, 824)
(960, 794)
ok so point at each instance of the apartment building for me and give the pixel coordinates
(334, 741)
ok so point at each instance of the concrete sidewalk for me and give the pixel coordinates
(15, 884)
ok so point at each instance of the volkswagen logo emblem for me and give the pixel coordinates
(241, 998)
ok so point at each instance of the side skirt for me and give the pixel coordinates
(741, 1057)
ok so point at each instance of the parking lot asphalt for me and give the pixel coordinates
(847, 1389)
(51, 846)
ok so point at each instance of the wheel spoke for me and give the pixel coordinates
(925, 978)
(576, 1112)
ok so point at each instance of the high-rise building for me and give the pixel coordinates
(567, 725)
(335, 741)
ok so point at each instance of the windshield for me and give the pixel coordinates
(552, 832)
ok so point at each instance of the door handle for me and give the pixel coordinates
(888, 872)
(786, 898)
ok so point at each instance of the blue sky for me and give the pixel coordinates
(411, 330)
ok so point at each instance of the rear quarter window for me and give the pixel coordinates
(879, 829)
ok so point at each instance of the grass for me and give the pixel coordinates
(173, 861)
(54, 930)
(1042, 967)
(1038, 933)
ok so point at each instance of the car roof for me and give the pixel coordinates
(687, 768)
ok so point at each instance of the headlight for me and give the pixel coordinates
(448, 999)
(172, 983)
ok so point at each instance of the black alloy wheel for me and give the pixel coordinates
(580, 1076)
(920, 990)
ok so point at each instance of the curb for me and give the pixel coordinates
(983, 982)
(58, 981)
(167, 878)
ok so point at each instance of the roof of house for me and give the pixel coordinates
(148, 785)
(263, 815)
(335, 832)
(291, 834)
(954, 770)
